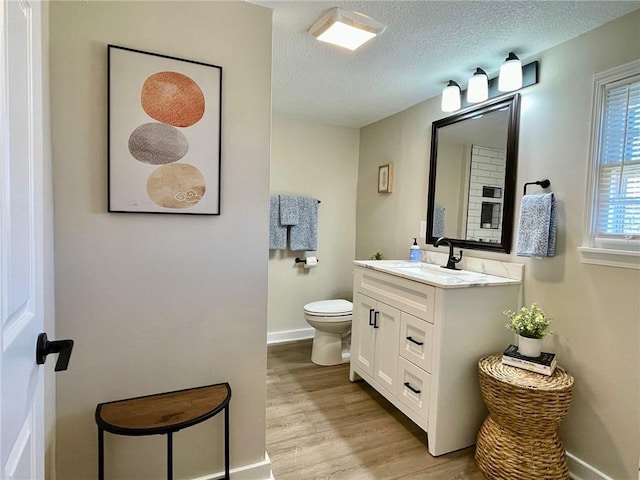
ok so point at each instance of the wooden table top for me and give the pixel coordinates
(163, 412)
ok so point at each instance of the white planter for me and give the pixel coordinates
(529, 347)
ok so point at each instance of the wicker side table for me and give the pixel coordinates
(519, 439)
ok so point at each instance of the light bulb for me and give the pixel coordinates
(451, 97)
(510, 74)
(478, 88)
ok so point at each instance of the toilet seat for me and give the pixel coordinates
(329, 308)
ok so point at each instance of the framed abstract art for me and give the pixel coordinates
(385, 178)
(164, 133)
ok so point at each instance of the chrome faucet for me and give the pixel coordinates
(451, 261)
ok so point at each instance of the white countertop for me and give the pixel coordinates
(435, 275)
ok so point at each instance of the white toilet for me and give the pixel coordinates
(332, 338)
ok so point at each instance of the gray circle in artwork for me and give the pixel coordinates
(158, 144)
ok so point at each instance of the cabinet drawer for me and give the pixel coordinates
(412, 297)
(414, 387)
(416, 340)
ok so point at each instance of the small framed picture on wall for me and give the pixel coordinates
(385, 178)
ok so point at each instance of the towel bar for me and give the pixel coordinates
(543, 183)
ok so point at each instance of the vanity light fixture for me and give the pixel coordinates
(478, 89)
(513, 76)
(451, 97)
(345, 28)
(510, 78)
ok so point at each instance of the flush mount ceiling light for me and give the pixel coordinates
(451, 97)
(345, 28)
(478, 89)
(510, 78)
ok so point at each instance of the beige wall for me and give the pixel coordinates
(319, 160)
(388, 222)
(454, 161)
(160, 302)
(49, 281)
(596, 308)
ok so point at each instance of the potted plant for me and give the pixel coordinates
(531, 324)
(376, 256)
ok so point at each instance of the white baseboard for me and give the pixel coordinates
(580, 470)
(255, 471)
(289, 335)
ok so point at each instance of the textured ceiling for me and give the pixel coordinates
(425, 44)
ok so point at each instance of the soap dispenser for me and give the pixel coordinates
(414, 252)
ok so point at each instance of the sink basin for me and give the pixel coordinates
(441, 272)
(428, 271)
(429, 267)
(392, 263)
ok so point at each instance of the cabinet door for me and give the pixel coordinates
(387, 327)
(363, 334)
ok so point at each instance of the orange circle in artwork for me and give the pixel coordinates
(172, 98)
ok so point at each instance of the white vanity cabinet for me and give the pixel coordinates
(418, 343)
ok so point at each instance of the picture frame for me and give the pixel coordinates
(385, 178)
(164, 133)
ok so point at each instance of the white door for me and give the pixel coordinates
(387, 324)
(22, 236)
(363, 335)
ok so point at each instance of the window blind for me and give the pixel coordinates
(618, 190)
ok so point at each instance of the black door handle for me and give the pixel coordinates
(415, 341)
(375, 319)
(371, 310)
(62, 347)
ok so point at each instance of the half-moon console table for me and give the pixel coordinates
(164, 414)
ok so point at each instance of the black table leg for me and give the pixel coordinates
(170, 456)
(100, 454)
(226, 443)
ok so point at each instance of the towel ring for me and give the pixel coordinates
(543, 183)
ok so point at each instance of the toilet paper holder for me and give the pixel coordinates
(304, 260)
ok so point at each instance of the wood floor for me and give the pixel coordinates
(322, 426)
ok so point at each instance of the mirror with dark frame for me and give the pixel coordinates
(472, 176)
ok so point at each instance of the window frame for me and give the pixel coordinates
(615, 252)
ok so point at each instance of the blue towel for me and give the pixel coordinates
(277, 233)
(289, 209)
(537, 226)
(304, 235)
